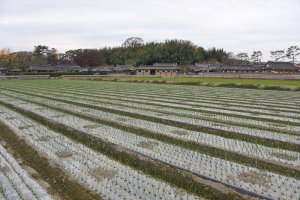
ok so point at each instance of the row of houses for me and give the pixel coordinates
(169, 69)
(276, 67)
(57, 68)
(119, 69)
(122, 69)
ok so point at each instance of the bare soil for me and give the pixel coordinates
(4, 169)
(99, 173)
(25, 127)
(64, 154)
(44, 138)
(92, 126)
(177, 132)
(148, 145)
(255, 178)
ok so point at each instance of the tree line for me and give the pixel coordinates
(134, 52)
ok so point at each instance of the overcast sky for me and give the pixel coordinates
(235, 25)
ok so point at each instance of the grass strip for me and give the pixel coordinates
(59, 181)
(229, 84)
(178, 178)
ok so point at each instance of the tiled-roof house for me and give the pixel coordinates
(279, 67)
(124, 69)
(158, 69)
(238, 68)
(2, 71)
(57, 68)
(201, 68)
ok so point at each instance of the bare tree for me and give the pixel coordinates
(242, 56)
(256, 56)
(292, 52)
(277, 55)
(89, 58)
(133, 42)
(23, 59)
(231, 55)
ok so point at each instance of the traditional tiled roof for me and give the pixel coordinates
(202, 69)
(279, 65)
(97, 69)
(159, 66)
(120, 68)
(238, 68)
(218, 67)
(57, 68)
(156, 68)
(201, 65)
(165, 65)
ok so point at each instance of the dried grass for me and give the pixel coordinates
(44, 138)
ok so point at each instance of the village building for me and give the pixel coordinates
(57, 68)
(199, 69)
(124, 69)
(97, 70)
(273, 67)
(239, 68)
(283, 67)
(2, 71)
(158, 69)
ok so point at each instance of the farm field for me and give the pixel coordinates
(243, 81)
(118, 140)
